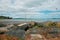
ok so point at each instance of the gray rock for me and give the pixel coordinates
(18, 33)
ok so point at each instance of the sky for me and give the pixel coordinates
(30, 8)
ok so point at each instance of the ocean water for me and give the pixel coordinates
(37, 19)
(32, 19)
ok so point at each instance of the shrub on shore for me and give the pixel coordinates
(4, 17)
(50, 24)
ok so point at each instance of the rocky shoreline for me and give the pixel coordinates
(27, 30)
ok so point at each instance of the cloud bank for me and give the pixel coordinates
(30, 8)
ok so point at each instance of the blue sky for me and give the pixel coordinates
(30, 8)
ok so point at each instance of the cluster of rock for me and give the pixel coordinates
(45, 33)
(34, 31)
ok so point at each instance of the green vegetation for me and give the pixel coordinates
(47, 25)
(4, 17)
(50, 24)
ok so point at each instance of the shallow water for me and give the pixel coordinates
(29, 19)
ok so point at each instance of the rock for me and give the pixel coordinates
(18, 33)
(32, 23)
(22, 24)
(34, 37)
(7, 37)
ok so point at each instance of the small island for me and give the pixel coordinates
(5, 17)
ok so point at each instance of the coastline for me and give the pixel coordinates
(18, 21)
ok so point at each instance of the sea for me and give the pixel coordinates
(36, 19)
(32, 19)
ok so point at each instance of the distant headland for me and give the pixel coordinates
(5, 17)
